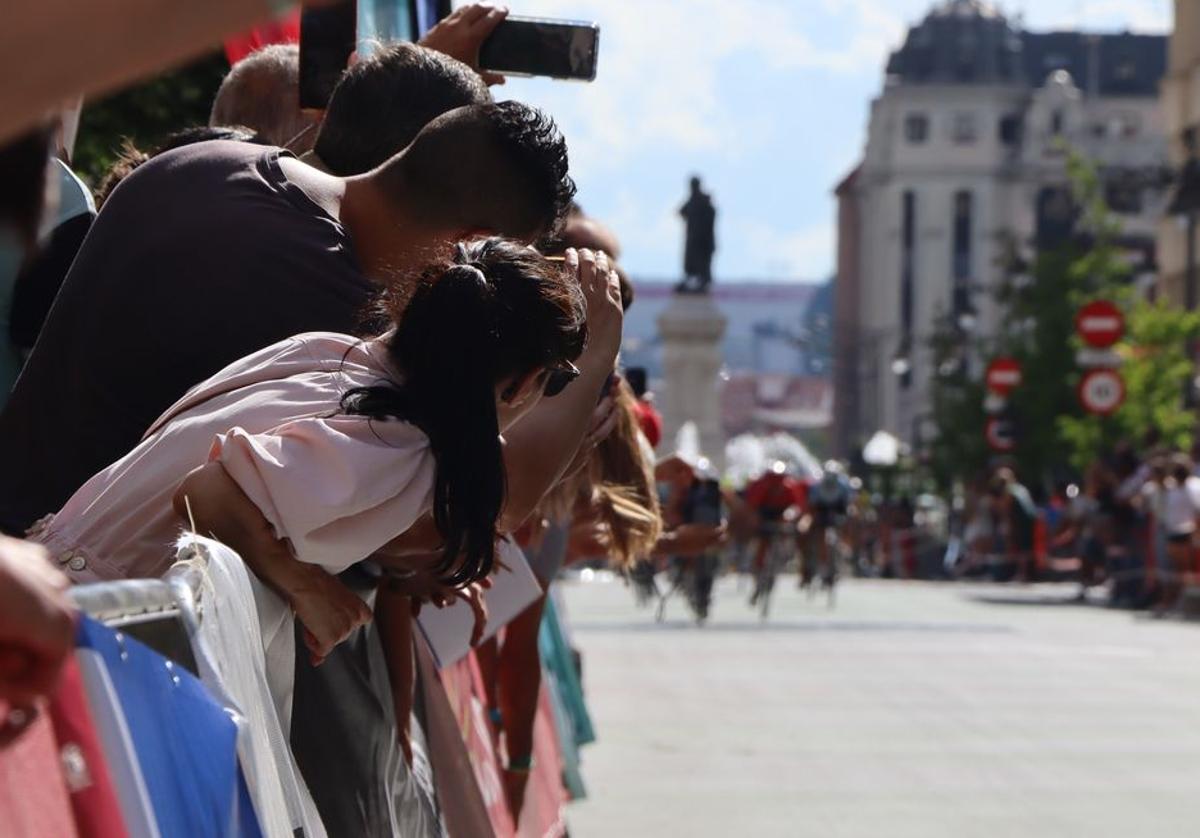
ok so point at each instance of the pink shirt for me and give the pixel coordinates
(337, 487)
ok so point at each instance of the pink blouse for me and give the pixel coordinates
(337, 487)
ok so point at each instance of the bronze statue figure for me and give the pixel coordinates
(701, 242)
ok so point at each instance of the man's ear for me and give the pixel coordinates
(520, 388)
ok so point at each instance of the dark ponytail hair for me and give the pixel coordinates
(498, 310)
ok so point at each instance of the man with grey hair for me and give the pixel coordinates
(404, 86)
(262, 92)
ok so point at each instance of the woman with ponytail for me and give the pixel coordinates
(343, 444)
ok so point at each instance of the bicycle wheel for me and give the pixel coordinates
(775, 560)
(829, 573)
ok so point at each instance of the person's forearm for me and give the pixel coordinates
(393, 617)
(111, 44)
(218, 507)
(520, 680)
(665, 546)
(541, 445)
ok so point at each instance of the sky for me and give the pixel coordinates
(765, 99)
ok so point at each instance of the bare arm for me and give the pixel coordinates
(690, 539)
(520, 679)
(36, 629)
(112, 43)
(540, 447)
(393, 617)
(328, 609)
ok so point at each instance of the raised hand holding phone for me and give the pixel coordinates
(463, 33)
(529, 46)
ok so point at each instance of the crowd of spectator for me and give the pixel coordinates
(365, 348)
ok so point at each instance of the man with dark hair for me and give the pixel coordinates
(522, 162)
(214, 250)
(382, 102)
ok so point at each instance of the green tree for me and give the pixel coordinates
(146, 114)
(956, 402)
(1038, 304)
(1156, 370)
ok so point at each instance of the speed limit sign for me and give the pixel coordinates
(1101, 391)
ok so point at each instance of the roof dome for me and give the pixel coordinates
(959, 42)
(966, 8)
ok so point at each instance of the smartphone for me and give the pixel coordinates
(706, 503)
(327, 37)
(531, 46)
(636, 376)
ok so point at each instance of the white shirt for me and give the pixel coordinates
(1179, 511)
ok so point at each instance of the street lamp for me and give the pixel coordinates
(968, 319)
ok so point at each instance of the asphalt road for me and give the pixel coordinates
(909, 709)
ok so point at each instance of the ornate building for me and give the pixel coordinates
(965, 153)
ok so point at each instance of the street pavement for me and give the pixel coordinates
(909, 709)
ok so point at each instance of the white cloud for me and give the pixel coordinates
(643, 225)
(659, 65)
(660, 101)
(803, 253)
(1146, 16)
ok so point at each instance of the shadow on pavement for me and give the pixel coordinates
(740, 626)
(1031, 599)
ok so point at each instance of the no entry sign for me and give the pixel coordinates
(999, 435)
(1101, 391)
(1100, 323)
(1003, 375)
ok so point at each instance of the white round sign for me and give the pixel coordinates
(1101, 391)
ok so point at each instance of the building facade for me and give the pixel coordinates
(1181, 111)
(965, 159)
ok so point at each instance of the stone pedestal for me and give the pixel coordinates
(691, 329)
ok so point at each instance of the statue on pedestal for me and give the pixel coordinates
(700, 243)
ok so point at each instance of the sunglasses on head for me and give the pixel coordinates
(558, 377)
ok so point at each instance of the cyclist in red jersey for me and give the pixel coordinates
(772, 497)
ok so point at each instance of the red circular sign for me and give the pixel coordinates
(1101, 391)
(999, 435)
(1003, 375)
(1100, 323)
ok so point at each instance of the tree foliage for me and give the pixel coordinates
(1038, 302)
(957, 404)
(1156, 371)
(146, 114)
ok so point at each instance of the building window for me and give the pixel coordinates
(961, 245)
(916, 128)
(1058, 122)
(1123, 196)
(1126, 70)
(908, 246)
(962, 128)
(1056, 214)
(1125, 125)
(1009, 129)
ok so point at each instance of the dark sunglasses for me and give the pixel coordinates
(557, 378)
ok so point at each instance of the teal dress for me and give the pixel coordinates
(571, 716)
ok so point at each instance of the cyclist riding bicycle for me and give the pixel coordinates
(828, 503)
(778, 500)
